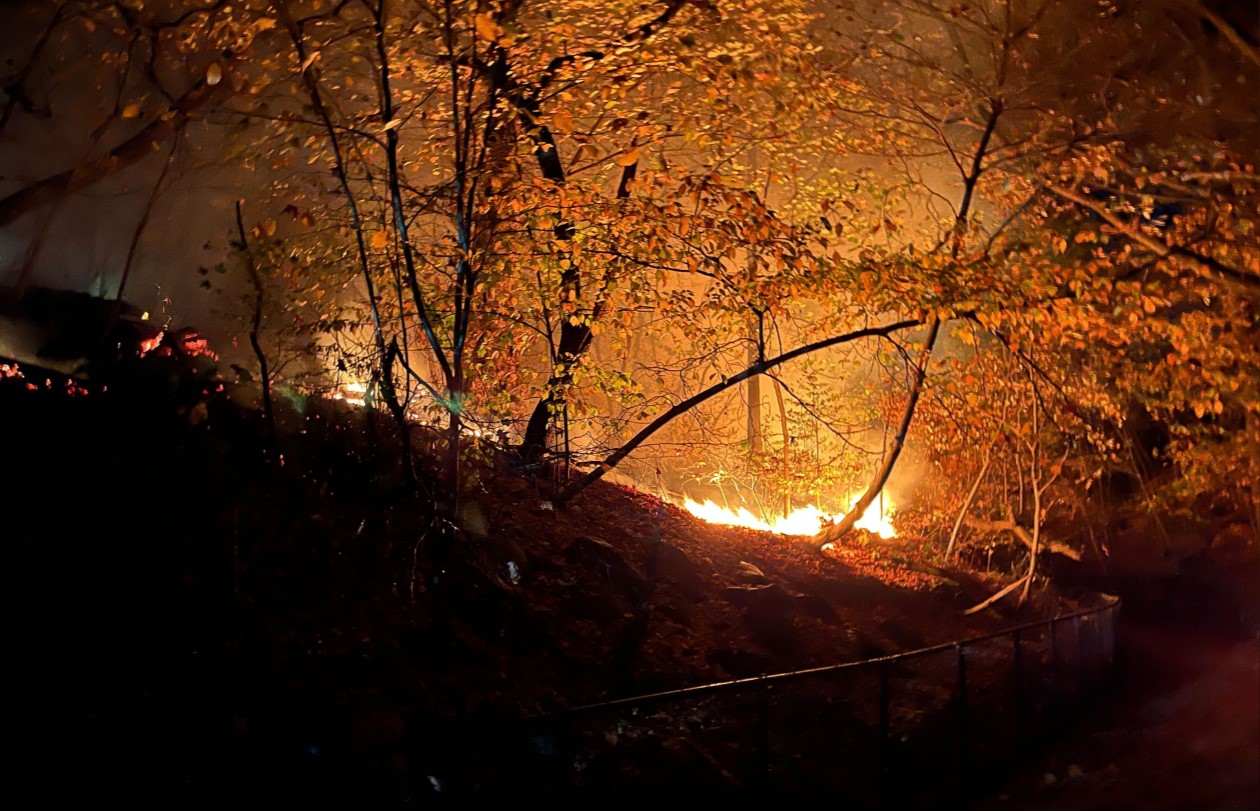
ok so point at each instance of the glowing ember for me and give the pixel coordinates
(804, 521)
(149, 344)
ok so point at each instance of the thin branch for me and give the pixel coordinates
(975, 609)
(761, 367)
(1132, 231)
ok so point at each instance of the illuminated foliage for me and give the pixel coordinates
(571, 222)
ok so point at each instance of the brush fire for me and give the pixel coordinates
(806, 521)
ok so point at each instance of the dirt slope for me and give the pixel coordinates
(190, 619)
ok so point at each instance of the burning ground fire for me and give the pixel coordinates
(353, 394)
(804, 521)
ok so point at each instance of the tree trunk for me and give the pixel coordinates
(263, 373)
(1034, 474)
(836, 532)
(575, 338)
(574, 341)
(787, 440)
(753, 430)
(962, 513)
(387, 351)
(1005, 591)
(1023, 535)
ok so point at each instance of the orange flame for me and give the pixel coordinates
(806, 521)
(149, 344)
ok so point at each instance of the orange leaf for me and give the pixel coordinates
(487, 28)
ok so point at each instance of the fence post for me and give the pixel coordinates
(1100, 644)
(885, 744)
(564, 752)
(563, 744)
(964, 733)
(763, 731)
(1110, 643)
(1115, 609)
(1080, 655)
(1054, 662)
(1017, 668)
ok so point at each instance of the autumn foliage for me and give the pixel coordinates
(1023, 248)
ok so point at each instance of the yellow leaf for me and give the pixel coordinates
(380, 239)
(393, 124)
(630, 158)
(269, 227)
(131, 111)
(214, 74)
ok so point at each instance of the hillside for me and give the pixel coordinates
(181, 608)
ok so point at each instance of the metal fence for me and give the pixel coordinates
(913, 727)
(907, 730)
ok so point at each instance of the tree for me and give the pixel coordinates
(522, 218)
(522, 85)
(1057, 179)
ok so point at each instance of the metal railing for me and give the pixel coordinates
(941, 715)
(906, 729)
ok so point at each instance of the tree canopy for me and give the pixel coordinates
(1023, 246)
